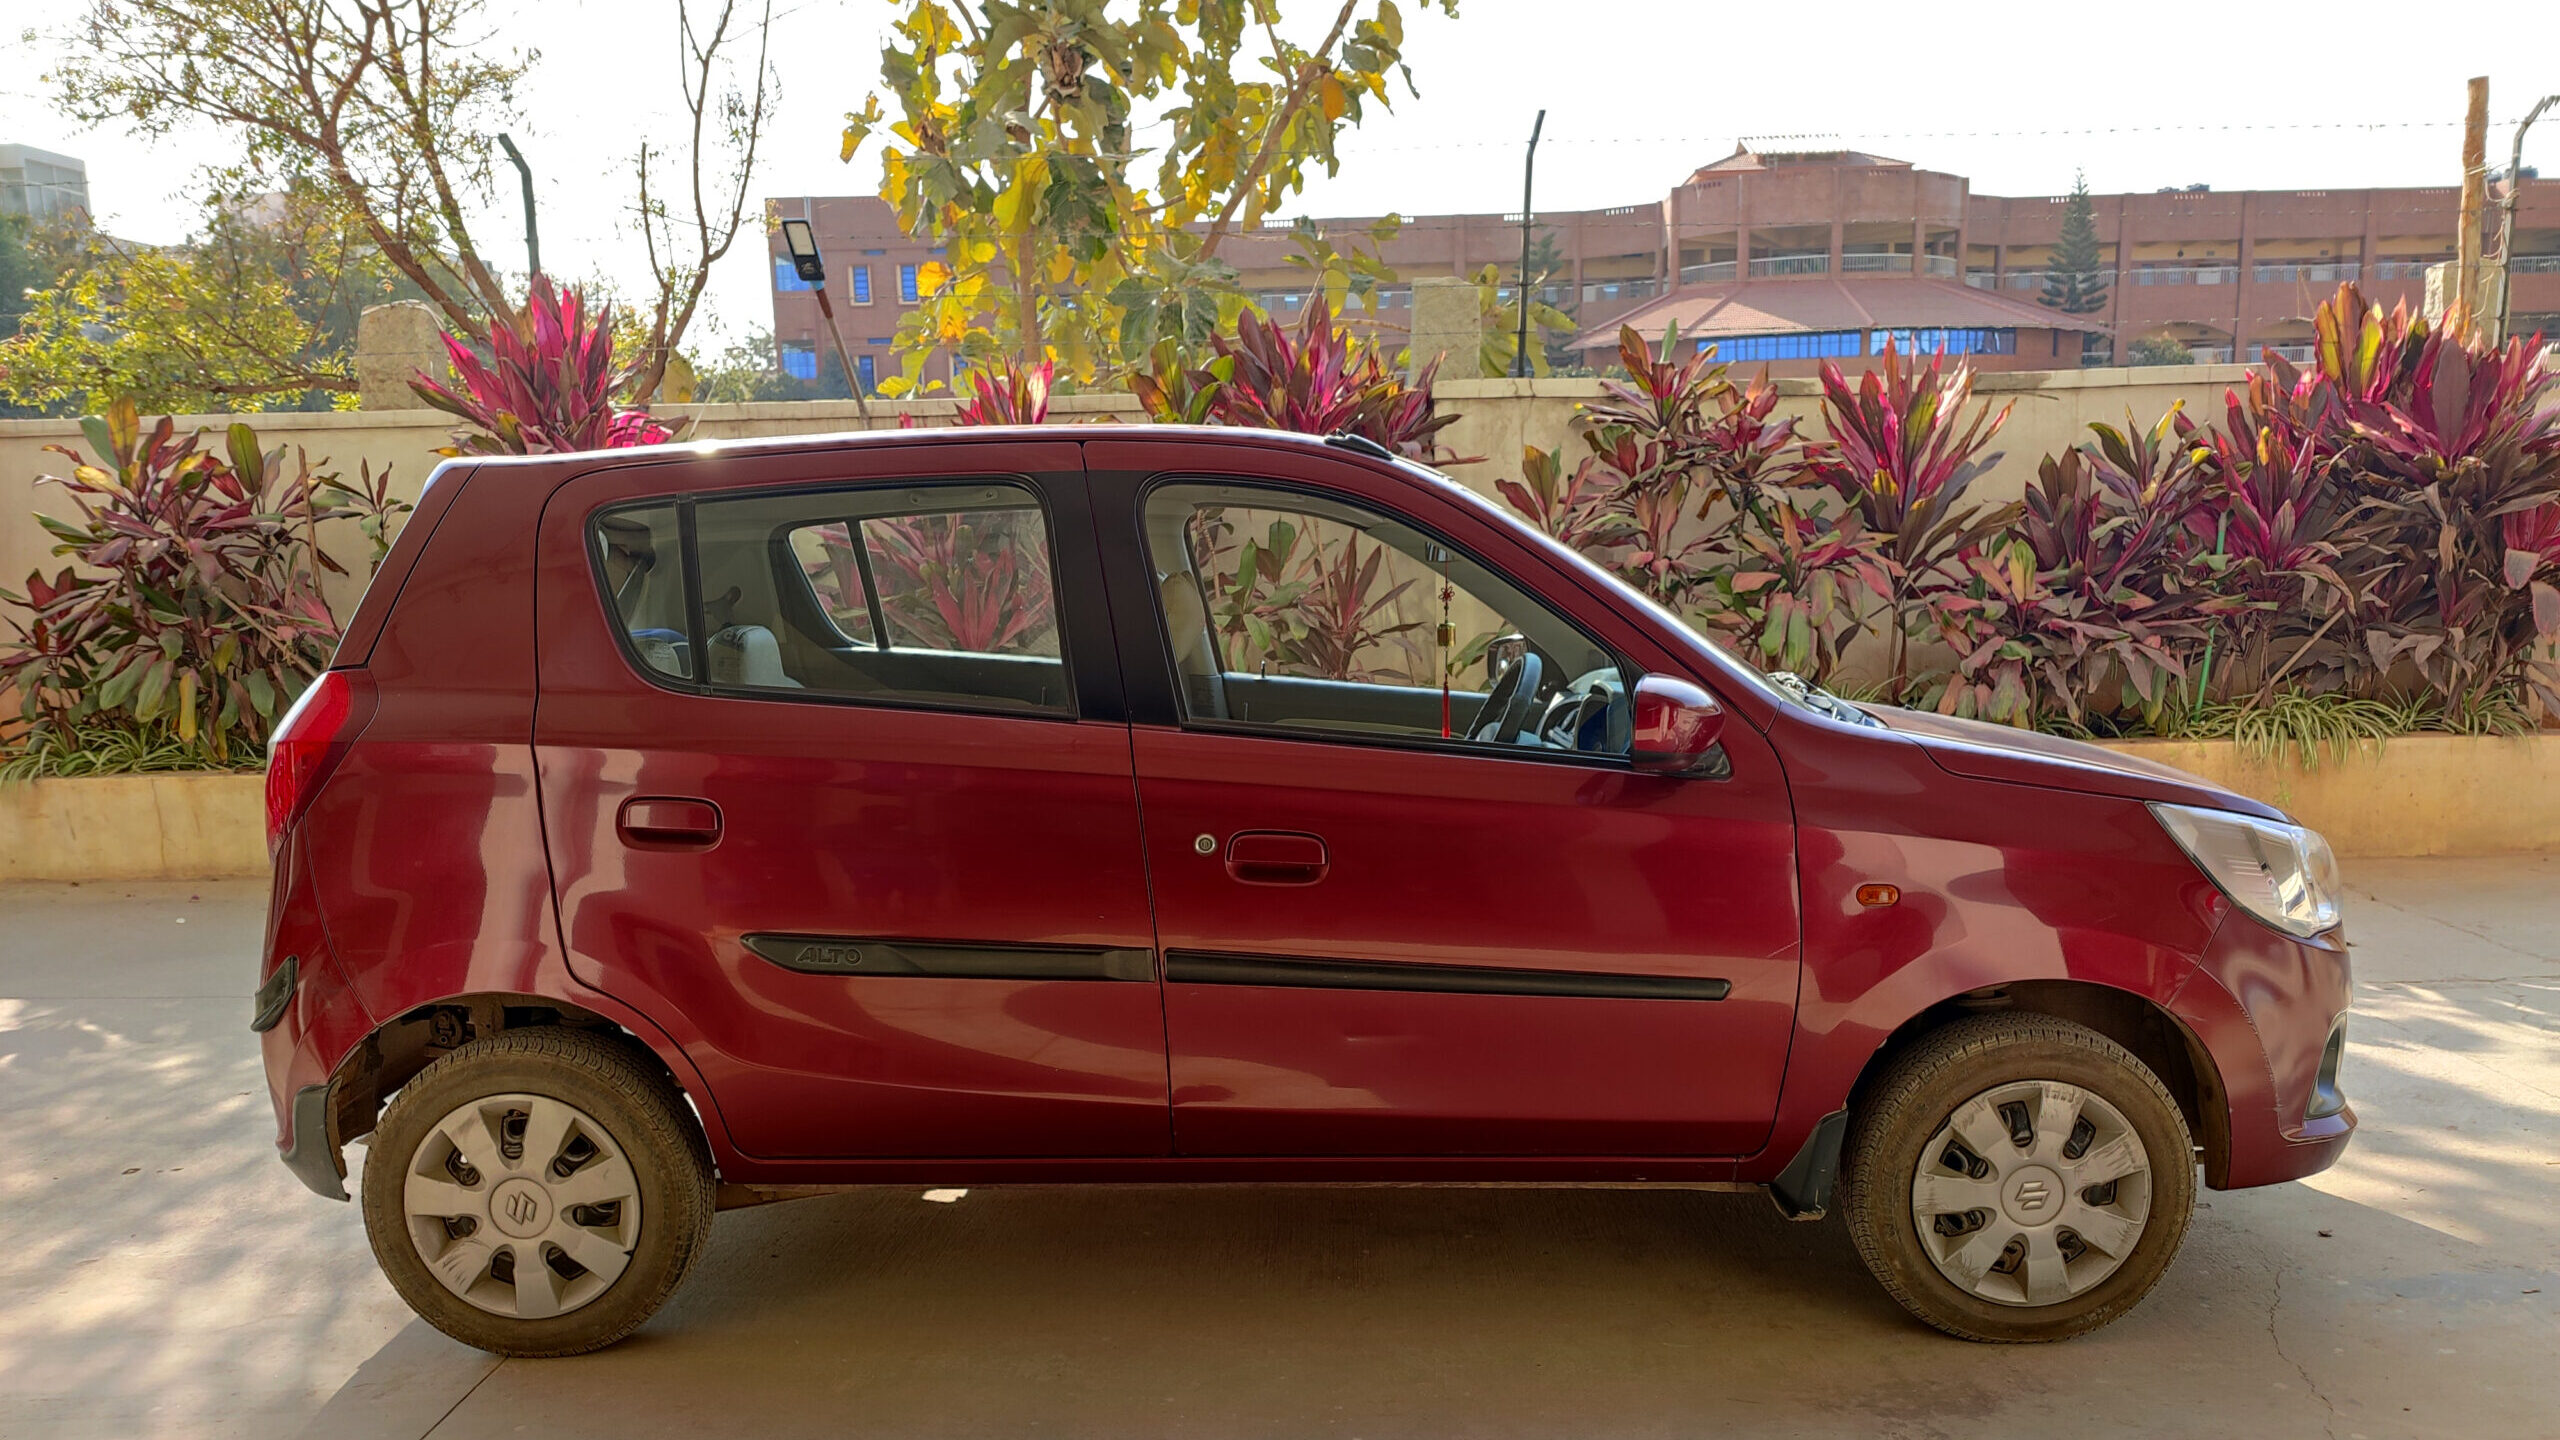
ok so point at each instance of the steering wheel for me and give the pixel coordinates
(1508, 704)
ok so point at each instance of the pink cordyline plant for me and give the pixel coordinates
(1007, 393)
(548, 385)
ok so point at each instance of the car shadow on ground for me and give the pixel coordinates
(1233, 1311)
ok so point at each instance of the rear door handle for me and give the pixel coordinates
(1277, 857)
(660, 821)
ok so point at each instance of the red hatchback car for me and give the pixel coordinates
(690, 827)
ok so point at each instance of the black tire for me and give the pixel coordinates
(646, 1119)
(1923, 1091)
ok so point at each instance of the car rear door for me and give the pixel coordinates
(836, 787)
(1379, 941)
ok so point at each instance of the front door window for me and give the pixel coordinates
(1309, 616)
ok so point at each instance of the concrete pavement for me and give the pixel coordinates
(160, 1274)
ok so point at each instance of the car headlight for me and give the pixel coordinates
(2281, 873)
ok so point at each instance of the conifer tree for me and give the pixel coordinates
(2073, 282)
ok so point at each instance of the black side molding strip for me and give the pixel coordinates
(850, 955)
(1200, 967)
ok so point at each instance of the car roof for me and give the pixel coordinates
(1237, 436)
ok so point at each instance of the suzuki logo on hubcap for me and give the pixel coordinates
(520, 1208)
(2035, 1195)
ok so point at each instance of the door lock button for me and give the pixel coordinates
(1206, 845)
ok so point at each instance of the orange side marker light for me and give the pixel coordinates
(1877, 896)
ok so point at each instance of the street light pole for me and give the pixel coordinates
(524, 172)
(1528, 179)
(2507, 219)
(801, 240)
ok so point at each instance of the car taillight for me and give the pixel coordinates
(309, 742)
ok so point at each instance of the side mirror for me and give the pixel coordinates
(1676, 728)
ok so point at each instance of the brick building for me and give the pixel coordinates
(1786, 257)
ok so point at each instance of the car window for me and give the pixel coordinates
(935, 594)
(1300, 614)
(639, 558)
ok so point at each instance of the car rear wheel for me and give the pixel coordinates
(538, 1192)
(2018, 1178)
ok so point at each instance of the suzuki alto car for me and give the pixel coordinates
(688, 827)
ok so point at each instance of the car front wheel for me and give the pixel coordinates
(537, 1192)
(2018, 1178)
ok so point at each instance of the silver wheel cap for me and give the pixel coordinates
(2031, 1193)
(522, 1205)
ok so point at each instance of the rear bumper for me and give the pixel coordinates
(315, 1020)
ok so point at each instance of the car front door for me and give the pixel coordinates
(836, 788)
(1383, 937)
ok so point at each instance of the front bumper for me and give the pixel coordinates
(2266, 1007)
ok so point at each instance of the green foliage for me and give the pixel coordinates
(1350, 278)
(746, 370)
(2294, 723)
(1498, 321)
(19, 272)
(53, 755)
(191, 612)
(1014, 148)
(257, 311)
(2158, 350)
(2074, 283)
(388, 111)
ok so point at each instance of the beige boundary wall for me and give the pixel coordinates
(2050, 411)
(134, 827)
(2417, 795)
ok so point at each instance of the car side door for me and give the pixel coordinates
(836, 787)
(1382, 937)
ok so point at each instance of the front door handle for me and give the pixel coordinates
(661, 822)
(1277, 857)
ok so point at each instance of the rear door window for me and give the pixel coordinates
(921, 594)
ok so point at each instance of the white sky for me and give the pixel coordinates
(2350, 93)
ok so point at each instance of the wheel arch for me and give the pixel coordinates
(397, 1049)
(2140, 1024)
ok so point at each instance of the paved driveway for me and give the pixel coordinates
(160, 1274)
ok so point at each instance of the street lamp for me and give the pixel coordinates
(2507, 219)
(801, 240)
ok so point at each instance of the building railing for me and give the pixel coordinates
(2401, 269)
(2534, 265)
(1792, 264)
(2298, 354)
(2325, 271)
(1943, 266)
(1859, 261)
(2013, 280)
(1707, 274)
(2185, 275)
(1603, 292)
